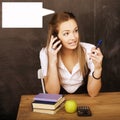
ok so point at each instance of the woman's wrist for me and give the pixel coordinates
(97, 74)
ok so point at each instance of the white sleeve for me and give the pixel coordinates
(43, 60)
(90, 66)
(88, 48)
(89, 61)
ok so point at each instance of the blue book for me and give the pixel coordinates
(48, 97)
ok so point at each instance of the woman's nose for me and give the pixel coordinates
(72, 36)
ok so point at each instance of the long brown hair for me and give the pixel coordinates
(56, 20)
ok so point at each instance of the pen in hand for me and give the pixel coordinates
(98, 44)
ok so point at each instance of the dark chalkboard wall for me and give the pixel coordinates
(19, 49)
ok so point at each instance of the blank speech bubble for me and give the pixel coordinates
(23, 14)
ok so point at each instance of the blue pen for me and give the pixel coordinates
(98, 44)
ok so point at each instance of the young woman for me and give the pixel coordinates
(66, 61)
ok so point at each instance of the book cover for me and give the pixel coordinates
(47, 111)
(47, 104)
(48, 97)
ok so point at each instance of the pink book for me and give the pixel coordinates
(48, 97)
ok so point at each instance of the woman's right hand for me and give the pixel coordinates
(53, 49)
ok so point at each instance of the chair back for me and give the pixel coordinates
(40, 76)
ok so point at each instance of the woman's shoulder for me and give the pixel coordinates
(43, 52)
(87, 46)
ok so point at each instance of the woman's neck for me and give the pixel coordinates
(69, 58)
(68, 52)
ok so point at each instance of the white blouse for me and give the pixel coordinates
(69, 81)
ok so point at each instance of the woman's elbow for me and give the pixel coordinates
(53, 91)
(92, 93)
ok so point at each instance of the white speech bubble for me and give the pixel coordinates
(23, 14)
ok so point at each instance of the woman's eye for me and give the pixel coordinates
(76, 30)
(66, 34)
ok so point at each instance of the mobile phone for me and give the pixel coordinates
(55, 35)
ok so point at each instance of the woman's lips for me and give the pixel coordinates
(72, 43)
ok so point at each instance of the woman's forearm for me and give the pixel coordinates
(94, 85)
(52, 83)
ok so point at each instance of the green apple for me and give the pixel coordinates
(70, 106)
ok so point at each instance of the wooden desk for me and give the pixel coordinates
(106, 106)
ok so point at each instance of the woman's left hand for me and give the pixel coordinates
(97, 57)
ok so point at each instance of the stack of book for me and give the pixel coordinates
(48, 103)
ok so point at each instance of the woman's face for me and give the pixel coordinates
(68, 34)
